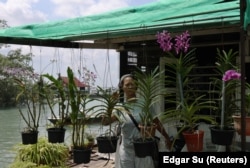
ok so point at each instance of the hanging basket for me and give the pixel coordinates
(222, 136)
(194, 140)
(81, 155)
(107, 144)
(56, 135)
(145, 147)
(29, 137)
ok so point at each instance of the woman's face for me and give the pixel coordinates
(129, 87)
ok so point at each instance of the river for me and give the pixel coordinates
(11, 126)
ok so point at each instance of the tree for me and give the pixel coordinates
(14, 60)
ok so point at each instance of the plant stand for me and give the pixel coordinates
(194, 140)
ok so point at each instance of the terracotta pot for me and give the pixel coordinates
(194, 140)
(237, 124)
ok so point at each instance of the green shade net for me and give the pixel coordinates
(147, 19)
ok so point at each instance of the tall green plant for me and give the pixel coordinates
(150, 89)
(178, 70)
(180, 63)
(108, 102)
(55, 93)
(225, 61)
(30, 96)
(80, 113)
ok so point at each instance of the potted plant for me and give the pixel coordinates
(108, 102)
(30, 98)
(79, 116)
(190, 118)
(150, 89)
(179, 65)
(185, 105)
(237, 116)
(226, 63)
(178, 69)
(55, 94)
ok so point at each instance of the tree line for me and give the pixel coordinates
(13, 59)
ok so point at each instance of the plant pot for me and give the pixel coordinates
(237, 124)
(194, 140)
(29, 137)
(56, 135)
(179, 127)
(107, 144)
(81, 155)
(222, 136)
(146, 147)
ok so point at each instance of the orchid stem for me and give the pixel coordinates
(223, 105)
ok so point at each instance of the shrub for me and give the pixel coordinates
(42, 154)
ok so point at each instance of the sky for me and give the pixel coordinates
(56, 60)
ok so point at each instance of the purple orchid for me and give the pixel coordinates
(231, 74)
(228, 75)
(164, 39)
(182, 41)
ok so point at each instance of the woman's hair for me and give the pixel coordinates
(122, 80)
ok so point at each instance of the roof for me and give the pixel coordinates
(147, 19)
(77, 81)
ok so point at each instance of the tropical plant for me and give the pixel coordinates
(178, 73)
(108, 103)
(189, 114)
(56, 94)
(228, 76)
(180, 63)
(150, 89)
(79, 113)
(226, 61)
(43, 154)
(29, 99)
(185, 104)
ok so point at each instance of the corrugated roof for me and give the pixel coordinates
(77, 81)
(146, 19)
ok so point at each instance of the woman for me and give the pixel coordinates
(125, 156)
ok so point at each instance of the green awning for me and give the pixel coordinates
(147, 19)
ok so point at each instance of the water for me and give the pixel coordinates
(11, 126)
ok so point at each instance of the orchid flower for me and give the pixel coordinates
(228, 75)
